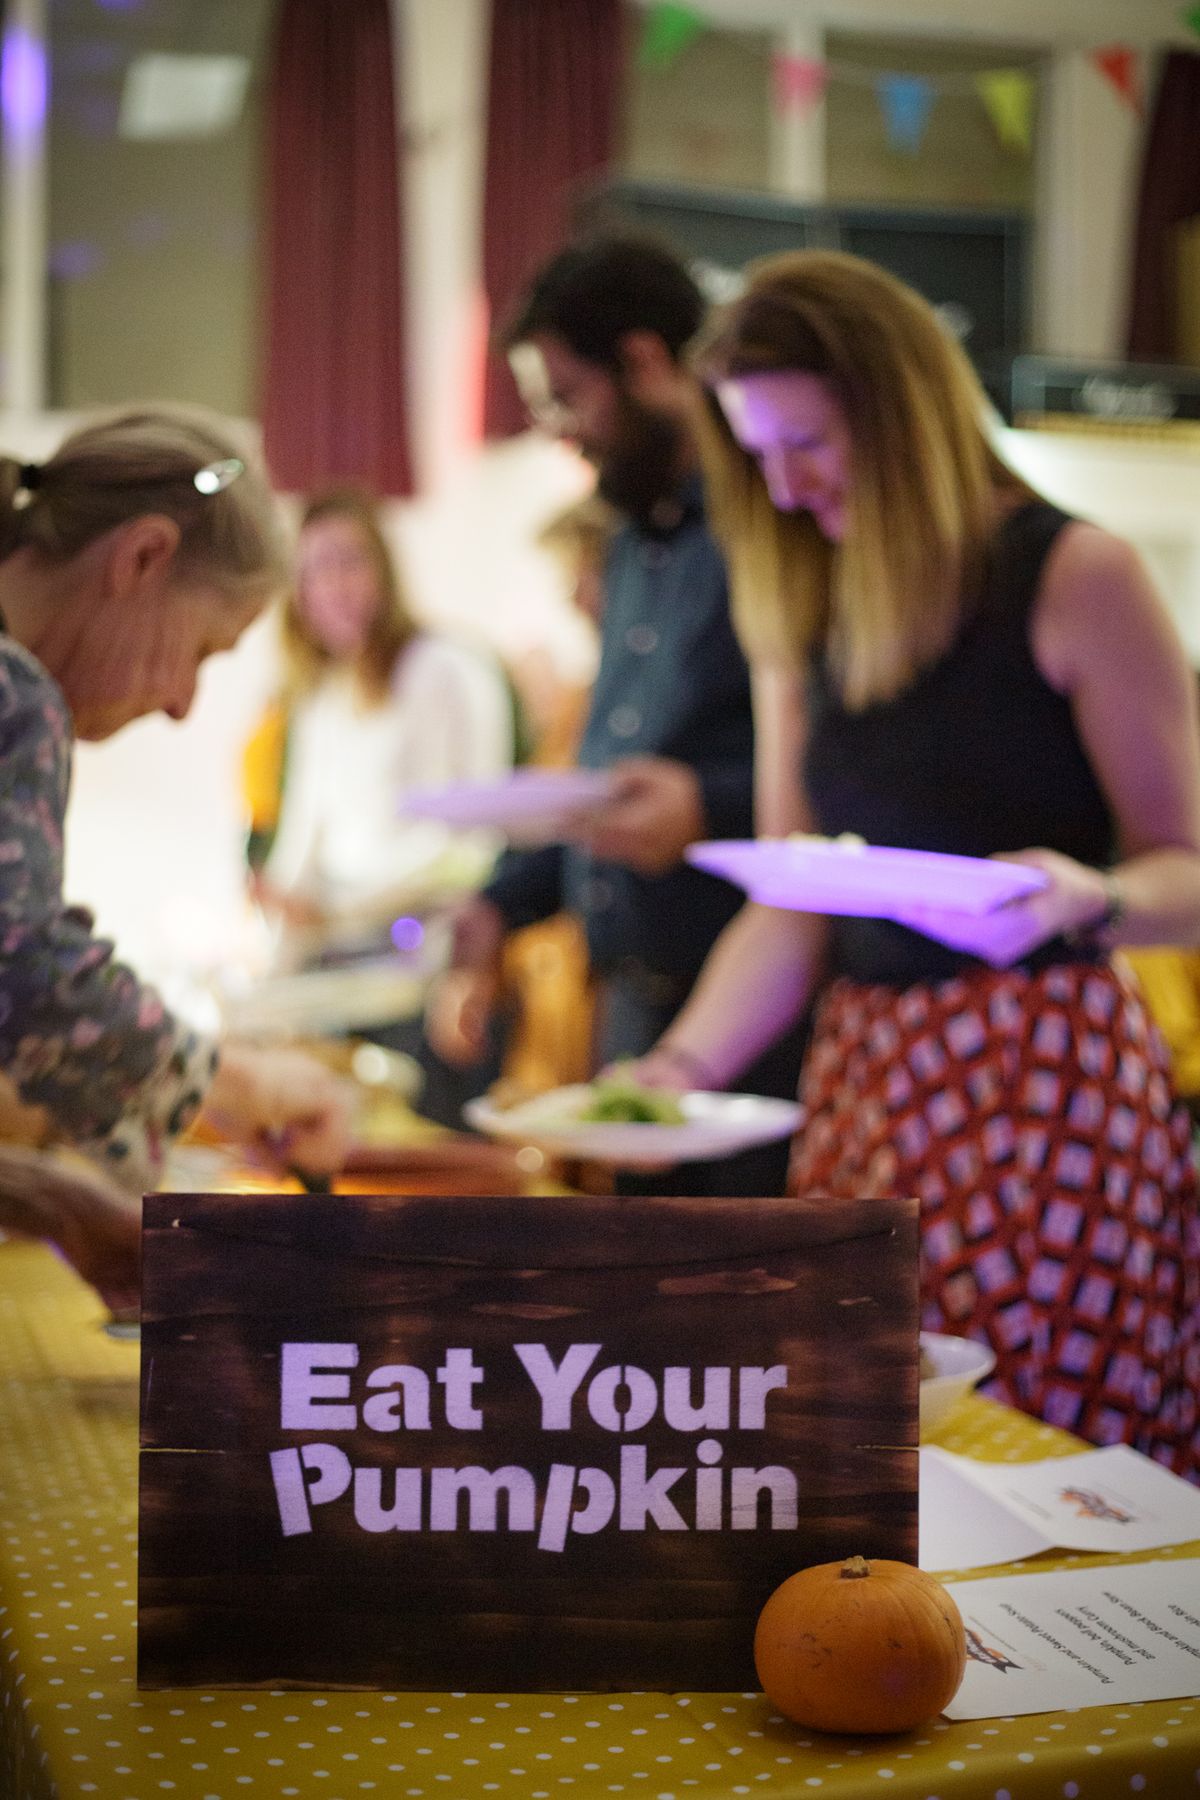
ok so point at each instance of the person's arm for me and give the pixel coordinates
(1103, 638)
(764, 967)
(80, 1037)
(526, 887)
(92, 1221)
(118, 1077)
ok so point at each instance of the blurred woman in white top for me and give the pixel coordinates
(373, 706)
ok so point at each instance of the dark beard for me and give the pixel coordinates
(645, 463)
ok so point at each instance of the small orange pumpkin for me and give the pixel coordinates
(860, 1646)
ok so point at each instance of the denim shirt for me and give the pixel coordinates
(672, 682)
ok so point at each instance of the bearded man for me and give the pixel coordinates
(597, 347)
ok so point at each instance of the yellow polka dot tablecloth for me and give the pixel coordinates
(72, 1722)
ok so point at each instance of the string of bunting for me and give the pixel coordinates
(799, 83)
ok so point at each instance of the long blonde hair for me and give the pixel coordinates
(142, 460)
(306, 660)
(924, 480)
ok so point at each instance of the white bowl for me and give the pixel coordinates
(960, 1363)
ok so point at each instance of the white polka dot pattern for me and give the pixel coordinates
(73, 1724)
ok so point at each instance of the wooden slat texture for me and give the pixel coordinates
(225, 1597)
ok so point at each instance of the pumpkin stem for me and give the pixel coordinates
(855, 1568)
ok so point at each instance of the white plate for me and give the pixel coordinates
(527, 804)
(960, 1365)
(825, 875)
(714, 1125)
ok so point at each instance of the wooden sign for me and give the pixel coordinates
(447, 1443)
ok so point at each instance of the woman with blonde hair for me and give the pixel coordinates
(146, 543)
(944, 661)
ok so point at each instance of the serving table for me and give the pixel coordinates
(73, 1723)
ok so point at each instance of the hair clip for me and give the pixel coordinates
(215, 477)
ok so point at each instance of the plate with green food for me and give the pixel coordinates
(616, 1120)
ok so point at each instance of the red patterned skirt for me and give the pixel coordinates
(1033, 1116)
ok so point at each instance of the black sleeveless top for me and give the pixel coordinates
(977, 756)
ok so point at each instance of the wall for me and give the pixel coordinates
(961, 161)
(1148, 492)
(153, 242)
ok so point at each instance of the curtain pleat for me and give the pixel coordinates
(554, 83)
(335, 401)
(1169, 194)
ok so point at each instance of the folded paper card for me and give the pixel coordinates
(977, 1514)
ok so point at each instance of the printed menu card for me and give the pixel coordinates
(1101, 1636)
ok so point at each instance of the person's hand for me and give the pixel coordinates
(458, 1015)
(666, 1066)
(293, 910)
(284, 1106)
(655, 810)
(477, 933)
(462, 1000)
(1073, 898)
(95, 1224)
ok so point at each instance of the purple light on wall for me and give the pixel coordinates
(22, 84)
(75, 259)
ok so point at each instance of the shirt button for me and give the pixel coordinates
(641, 639)
(624, 721)
(655, 556)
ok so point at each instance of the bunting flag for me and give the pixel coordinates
(1008, 96)
(797, 82)
(666, 34)
(907, 101)
(1119, 64)
(1190, 16)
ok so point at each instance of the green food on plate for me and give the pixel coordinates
(619, 1101)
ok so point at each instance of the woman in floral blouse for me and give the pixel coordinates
(144, 544)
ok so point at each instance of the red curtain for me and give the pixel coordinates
(1170, 193)
(334, 405)
(554, 83)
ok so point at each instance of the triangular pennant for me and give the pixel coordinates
(797, 82)
(667, 32)
(1008, 96)
(1120, 65)
(907, 101)
(1190, 16)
